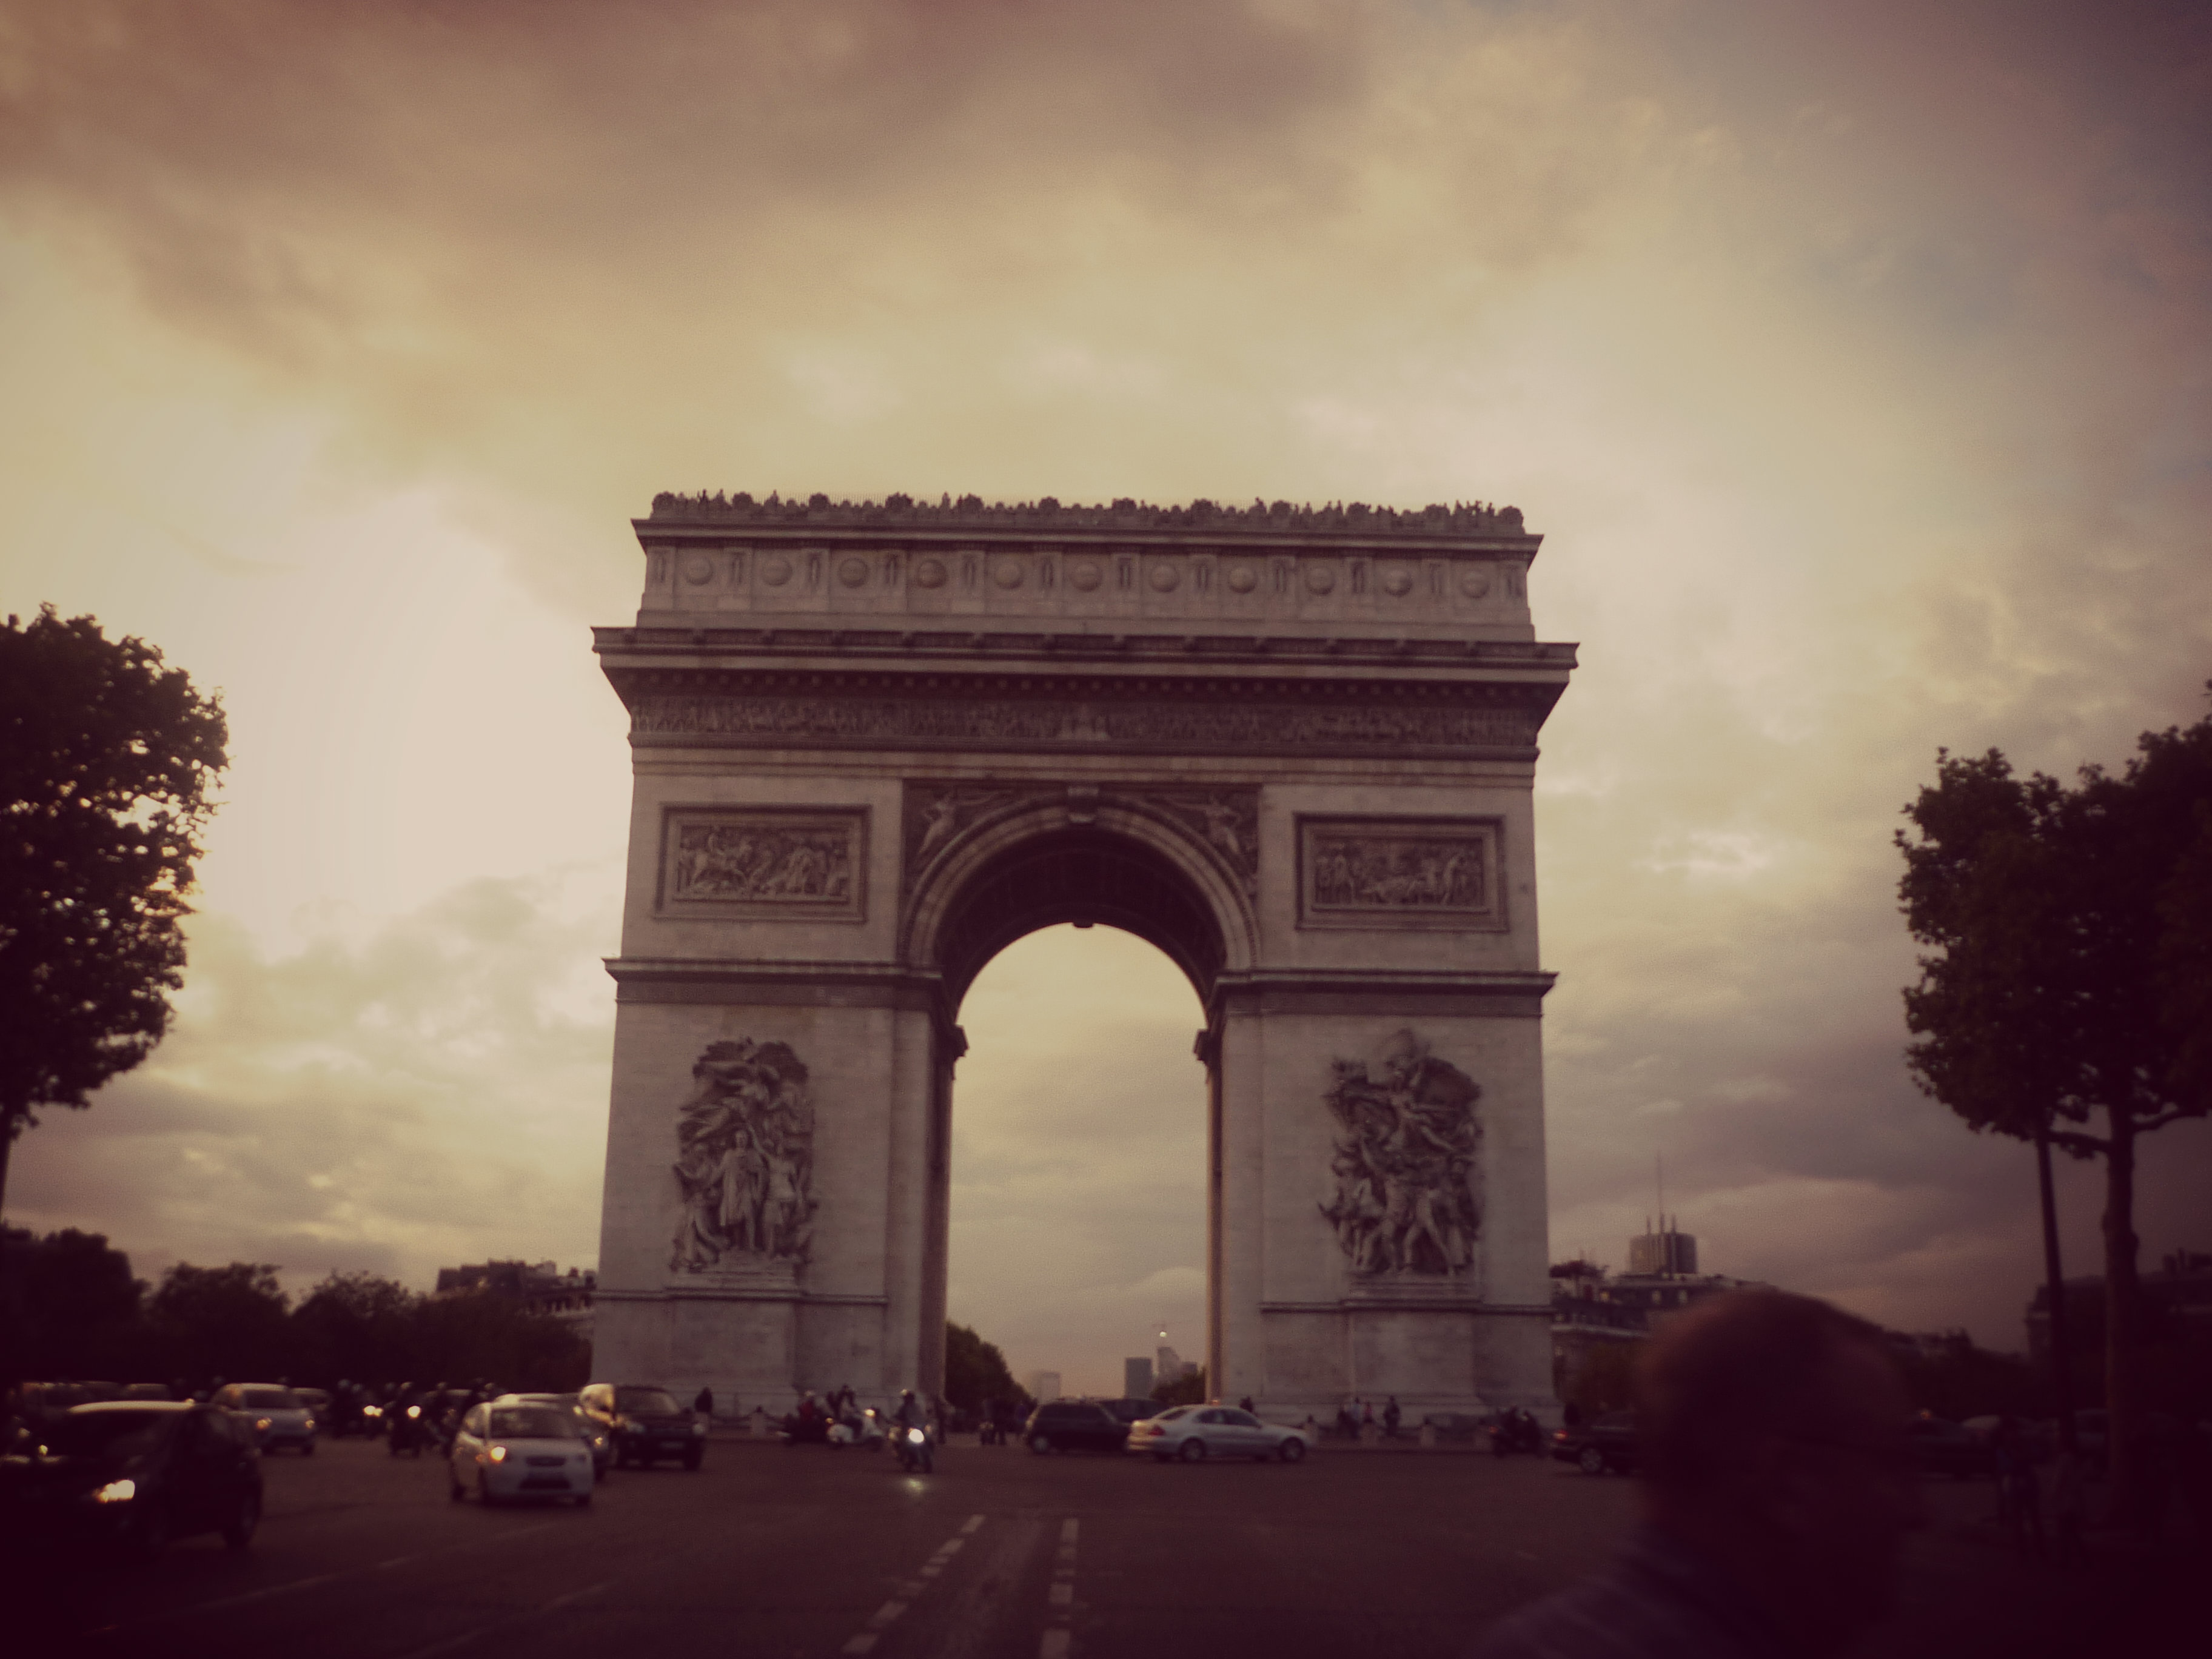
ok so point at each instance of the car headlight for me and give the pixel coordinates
(261, 1423)
(498, 1453)
(116, 1492)
(309, 1425)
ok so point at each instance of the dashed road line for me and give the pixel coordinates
(1059, 1635)
(889, 1613)
(452, 1643)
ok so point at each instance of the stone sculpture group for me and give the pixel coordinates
(744, 1159)
(743, 861)
(1405, 1163)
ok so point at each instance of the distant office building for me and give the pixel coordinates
(1668, 1251)
(1171, 1367)
(1137, 1379)
(1592, 1307)
(1044, 1386)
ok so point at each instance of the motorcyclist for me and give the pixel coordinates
(910, 1414)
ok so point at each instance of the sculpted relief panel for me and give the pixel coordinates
(1400, 872)
(764, 863)
(744, 1164)
(1406, 1163)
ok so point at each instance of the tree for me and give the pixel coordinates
(222, 1322)
(1188, 1389)
(2069, 979)
(106, 759)
(72, 1308)
(974, 1370)
(358, 1326)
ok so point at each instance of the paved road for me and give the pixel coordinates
(999, 1555)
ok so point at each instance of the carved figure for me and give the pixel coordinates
(744, 1159)
(1405, 1163)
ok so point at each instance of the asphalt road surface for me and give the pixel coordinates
(998, 1555)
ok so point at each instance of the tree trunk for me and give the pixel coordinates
(2123, 1421)
(2054, 1278)
(10, 1124)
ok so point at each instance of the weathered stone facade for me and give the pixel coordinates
(875, 745)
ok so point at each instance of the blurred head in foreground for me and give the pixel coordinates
(1771, 1433)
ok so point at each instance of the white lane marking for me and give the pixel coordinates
(887, 1614)
(1059, 1638)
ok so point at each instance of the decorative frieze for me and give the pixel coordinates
(1043, 721)
(764, 863)
(1401, 872)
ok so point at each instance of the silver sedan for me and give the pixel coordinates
(1194, 1434)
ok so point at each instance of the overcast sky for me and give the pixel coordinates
(1854, 360)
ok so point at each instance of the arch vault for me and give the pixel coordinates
(874, 745)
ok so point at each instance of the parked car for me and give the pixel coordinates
(318, 1403)
(1194, 1434)
(146, 1391)
(1941, 1447)
(122, 1478)
(502, 1451)
(646, 1423)
(279, 1417)
(601, 1443)
(1061, 1425)
(1132, 1410)
(1606, 1445)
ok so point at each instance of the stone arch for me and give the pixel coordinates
(1082, 859)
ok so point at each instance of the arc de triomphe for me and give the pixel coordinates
(874, 744)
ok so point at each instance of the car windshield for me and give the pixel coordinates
(649, 1402)
(270, 1400)
(105, 1434)
(530, 1423)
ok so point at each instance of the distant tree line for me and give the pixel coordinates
(71, 1310)
(974, 1371)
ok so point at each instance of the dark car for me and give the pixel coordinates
(1940, 1447)
(1132, 1410)
(124, 1477)
(646, 1423)
(1606, 1445)
(1074, 1425)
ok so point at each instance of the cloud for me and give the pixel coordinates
(433, 1095)
(1853, 361)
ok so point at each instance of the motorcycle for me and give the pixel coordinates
(1516, 1431)
(411, 1432)
(914, 1450)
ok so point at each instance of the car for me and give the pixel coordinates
(1941, 1447)
(646, 1423)
(1132, 1410)
(122, 1478)
(503, 1451)
(1065, 1426)
(146, 1391)
(1606, 1445)
(279, 1417)
(318, 1403)
(601, 1443)
(1194, 1434)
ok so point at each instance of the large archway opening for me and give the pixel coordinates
(1077, 1222)
(1079, 950)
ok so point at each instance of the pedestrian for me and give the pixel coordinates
(1348, 1427)
(1366, 1415)
(1778, 1487)
(1391, 1417)
(704, 1403)
(1246, 1405)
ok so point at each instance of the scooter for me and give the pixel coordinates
(862, 1428)
(913, 1449)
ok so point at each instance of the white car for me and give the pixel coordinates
(503, 1451)
(1194, 1434)
(277, 1416)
